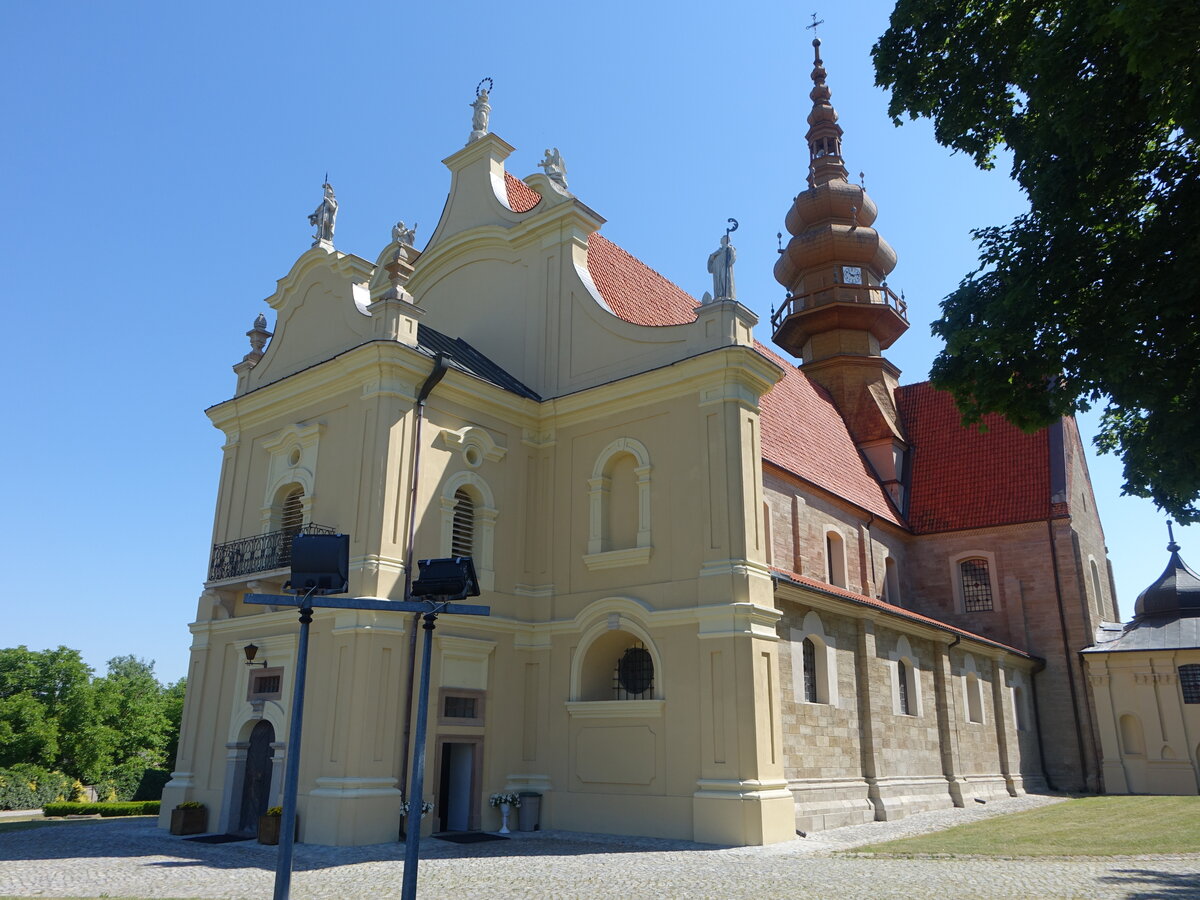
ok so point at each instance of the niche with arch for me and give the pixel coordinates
(972, 690)
(1133, 743)
(619, 506)
(616, 671)
(835, 558)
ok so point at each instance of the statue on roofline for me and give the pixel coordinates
(402, 234)
(324, 217)
(555, 168)
(720, 266)
(483, 111)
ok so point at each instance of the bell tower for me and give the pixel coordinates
(839, 314)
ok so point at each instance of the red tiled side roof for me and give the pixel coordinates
(803, 433)
(521, 197)
(963, 478)
(633, 290)
(899, 611)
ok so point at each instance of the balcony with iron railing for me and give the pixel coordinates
(870, 307)
(260, 553)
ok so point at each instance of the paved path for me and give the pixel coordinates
(133, 858)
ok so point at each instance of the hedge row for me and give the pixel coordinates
(140, 808)
(25, 786)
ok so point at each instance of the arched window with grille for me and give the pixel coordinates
(809, 655)
(902, 675)
(291, 514)
(462, 533)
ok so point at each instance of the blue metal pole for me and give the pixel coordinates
(291, 773)
(412, 837)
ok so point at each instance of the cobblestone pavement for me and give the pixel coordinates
(124, 858)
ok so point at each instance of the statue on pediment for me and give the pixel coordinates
(555, 168)
(325, 217)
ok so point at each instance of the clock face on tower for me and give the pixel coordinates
(851, 274)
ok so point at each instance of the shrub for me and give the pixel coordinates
(25, 786)
(190, 804)
(107, 810)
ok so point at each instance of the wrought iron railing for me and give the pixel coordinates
(877, 294)
(260, 553)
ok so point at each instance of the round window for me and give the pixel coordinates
(294, 456)
(635, 671)
(473, 456)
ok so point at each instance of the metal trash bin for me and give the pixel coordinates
(529, 812)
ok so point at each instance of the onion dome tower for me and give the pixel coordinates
(839, 314)
(1176, 593)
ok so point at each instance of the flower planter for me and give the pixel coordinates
(269, 828)
(189, 821)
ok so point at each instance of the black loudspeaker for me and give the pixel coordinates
(321, 563)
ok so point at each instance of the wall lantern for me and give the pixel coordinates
(251, 651)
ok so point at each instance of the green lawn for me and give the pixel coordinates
(1086, 826)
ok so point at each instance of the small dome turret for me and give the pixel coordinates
(1176, 593)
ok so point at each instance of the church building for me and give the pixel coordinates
(735, 590)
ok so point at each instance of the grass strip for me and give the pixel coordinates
(1084, 826)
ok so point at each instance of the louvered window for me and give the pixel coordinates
(809, 653)
(976, 584)
(292, 515)
(462, 535)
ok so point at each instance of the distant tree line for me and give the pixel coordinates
(63, 727)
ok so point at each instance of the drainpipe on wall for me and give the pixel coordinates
(1037, 724)
(438, 373)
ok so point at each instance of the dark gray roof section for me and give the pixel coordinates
(1175, 593)
(462, 356)
(1148, 633)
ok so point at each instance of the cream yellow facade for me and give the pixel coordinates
(801, 671)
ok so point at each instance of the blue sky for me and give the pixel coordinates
(161, 161)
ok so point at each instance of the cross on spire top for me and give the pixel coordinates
(815, 23)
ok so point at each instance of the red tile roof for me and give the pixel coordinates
(633, 290)
(521, 197)
(898, 611)
(803, 433)
(963, 478)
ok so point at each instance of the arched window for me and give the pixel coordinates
(616, 664)
(906, 683)
(835, 559)
(814, 663)
(291, 522)
(462, 533)
(809, 656)
(1096, 585)
(469, 523)
(975, 578)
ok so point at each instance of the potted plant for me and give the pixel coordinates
(189, 817)
(507, 801)
(269, 825)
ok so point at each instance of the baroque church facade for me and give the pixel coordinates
(735, 591)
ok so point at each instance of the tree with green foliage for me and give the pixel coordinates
(1093, 295)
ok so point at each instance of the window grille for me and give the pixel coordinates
(809, 653)
(902, 672)
(459, 708)
(265, 684)
(1189, 680)
(976, 585)
(633, 677)
(462, 533)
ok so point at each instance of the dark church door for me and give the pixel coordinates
(256, 787)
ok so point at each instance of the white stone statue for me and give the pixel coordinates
(325, 217)
(555, 168)
(720, 266)
(479, 121)
(402, 234)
